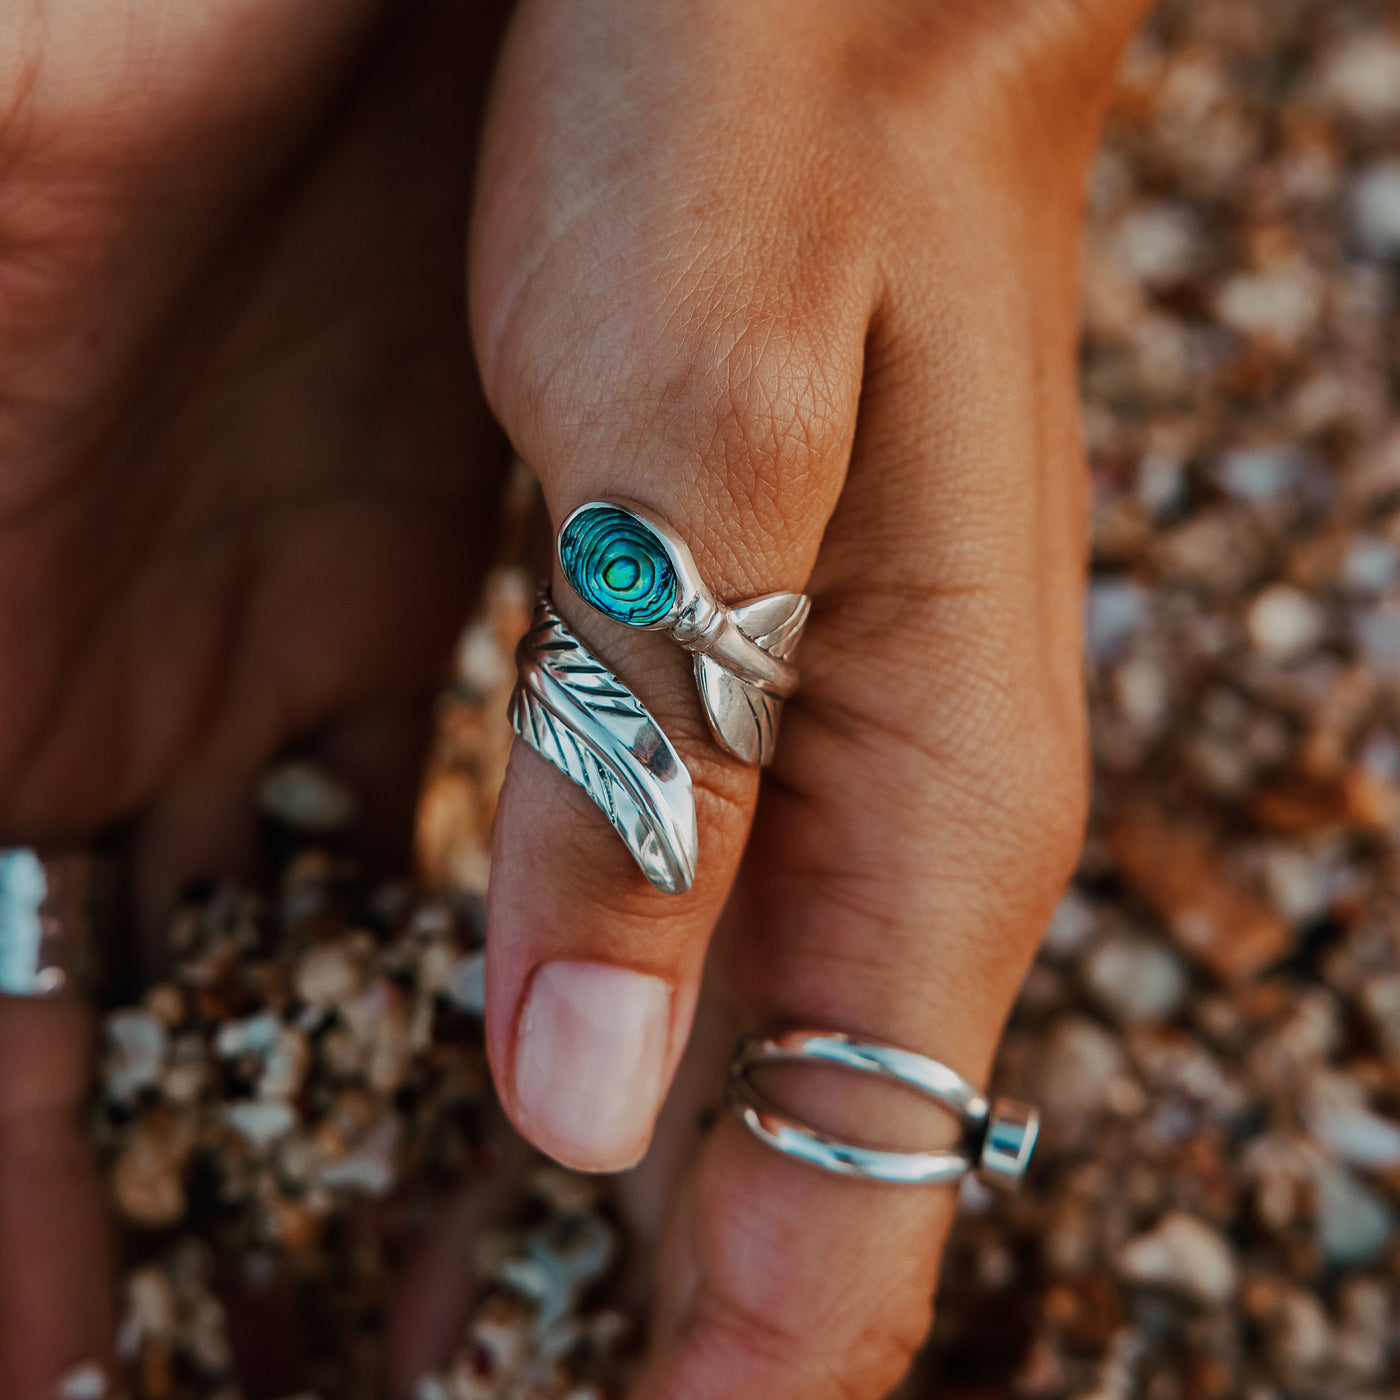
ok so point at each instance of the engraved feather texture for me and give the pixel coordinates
(576, 714)
(744, 717)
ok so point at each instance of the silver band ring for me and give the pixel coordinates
(635, 569)
(47, 922)
(997, 1139)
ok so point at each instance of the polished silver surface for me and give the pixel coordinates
(743, 651)
(47, 942)
(574, 712)
(997, 1140)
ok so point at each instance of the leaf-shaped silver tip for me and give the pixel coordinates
(575, 713)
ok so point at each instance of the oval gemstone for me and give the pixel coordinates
(616, 563)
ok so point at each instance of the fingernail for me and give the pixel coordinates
(589, 1061)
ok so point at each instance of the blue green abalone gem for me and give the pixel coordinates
(618, 564)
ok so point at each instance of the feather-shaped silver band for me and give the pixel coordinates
(574, 712)
(634, 568)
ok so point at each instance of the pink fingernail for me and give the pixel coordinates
(589, 1062)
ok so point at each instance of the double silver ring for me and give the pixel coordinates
(996, 1141)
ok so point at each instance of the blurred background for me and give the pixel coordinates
(1213, 1027)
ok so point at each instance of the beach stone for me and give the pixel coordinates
(137, 1042)
(1376, 208)
(1284, 622)
(1135, 978)
(307, 797)
(1182, 1253)
(1354, 1223)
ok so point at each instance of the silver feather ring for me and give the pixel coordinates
(574, 712)
(636, 570)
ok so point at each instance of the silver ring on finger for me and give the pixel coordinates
(636, 569)
(577, 715)
(996, 1140)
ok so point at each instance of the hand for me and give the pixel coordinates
(244, 476)
(801, 280)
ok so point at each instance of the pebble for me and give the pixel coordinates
(1177, 873)
(147, 1179)
(1299, 1336)
(1377, 632)
(1161, 482)
(369, 1169)
(1363, 1337)
(1361, 75)
(1260, 475)
(1083, 1069)
(87, 1381)
(328, 975)
(260, 1122)
(1376, 209)
(1354, 1223)
(307, 797)
(1117, 608)
(1285, 622)
(1158, 244)
(1134, 978)
(1356, 1135)
(1282, 306)
(465, 984)
(1371, 566)
(1183, 1253)
(137, 1042)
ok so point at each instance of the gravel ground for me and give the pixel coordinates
(1213, 1027)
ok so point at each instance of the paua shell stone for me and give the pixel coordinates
(618, 564)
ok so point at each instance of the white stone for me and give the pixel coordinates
(1377, 633)
(1185, 1254)
(1283, 305)
(85, 1382)
(1371, 565)
(1362, 76)
(254, 1035)
(1161, 481)
(137, 1043)
(1300, 1335)
(1298, 883)
(150, 1310)
(1375, 208)
(1259, 474)
(1157, 244)
(285, 1065)
(1356, 1135)
(260, 1121)
(1117, 608)
(370, 1168)
(1380, 999)
(207, 1336)
(465, 983)
(1083, 1069)
(1140, 687)
(483, 664)
(328, 975)
(1354, 1224)
(1284, 622)
(1135, 978)
(306, 797)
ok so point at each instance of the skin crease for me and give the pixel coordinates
(798, 276)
